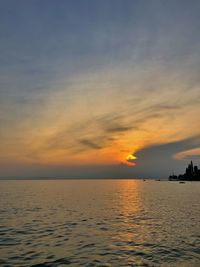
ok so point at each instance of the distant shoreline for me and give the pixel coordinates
(93, 179)
(192, 173)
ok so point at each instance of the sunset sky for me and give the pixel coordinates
(96, 89)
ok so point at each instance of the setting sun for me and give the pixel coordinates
(131, 157)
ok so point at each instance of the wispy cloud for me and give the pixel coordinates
(193, 153)
(90, 144)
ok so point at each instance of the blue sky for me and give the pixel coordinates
(87, 83)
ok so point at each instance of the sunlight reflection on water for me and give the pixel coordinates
(99, 223)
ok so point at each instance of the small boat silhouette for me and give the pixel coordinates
(181, 182)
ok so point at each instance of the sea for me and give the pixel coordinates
(99, 223)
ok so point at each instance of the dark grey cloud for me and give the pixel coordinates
(193, 157)
(158, 160)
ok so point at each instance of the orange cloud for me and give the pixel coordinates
(188, 153)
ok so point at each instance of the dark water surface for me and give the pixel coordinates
(99, 223)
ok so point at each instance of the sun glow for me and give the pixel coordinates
(131, 157)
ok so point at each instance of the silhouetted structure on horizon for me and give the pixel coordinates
(192, 173)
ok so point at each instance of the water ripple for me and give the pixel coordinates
(112, 224)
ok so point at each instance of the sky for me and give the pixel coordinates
(99, 89)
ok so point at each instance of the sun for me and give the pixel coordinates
(131, 157)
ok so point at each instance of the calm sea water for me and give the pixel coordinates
(99, 223)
